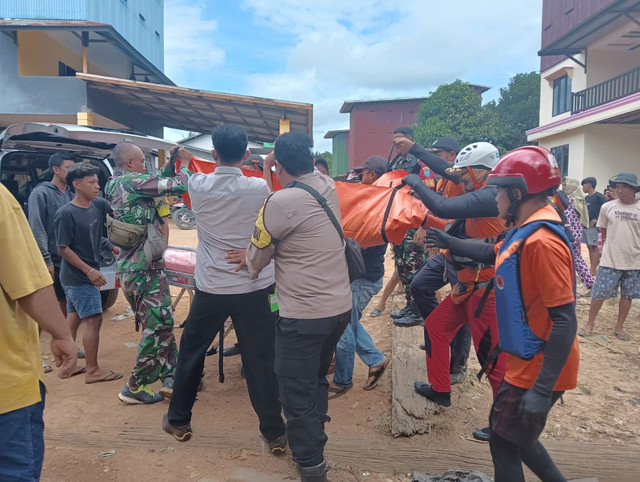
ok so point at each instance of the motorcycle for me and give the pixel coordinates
(182, 215)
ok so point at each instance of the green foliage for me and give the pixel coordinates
(456, 110)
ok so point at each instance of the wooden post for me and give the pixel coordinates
(162, 157)
(84, 118)
(285, 126)
(85, 44)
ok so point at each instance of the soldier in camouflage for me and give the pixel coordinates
(134, 196)
(409, 256)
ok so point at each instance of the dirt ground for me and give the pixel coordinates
(84, 421)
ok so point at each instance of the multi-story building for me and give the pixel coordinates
(590, 86)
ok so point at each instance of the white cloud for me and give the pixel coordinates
(190, 47)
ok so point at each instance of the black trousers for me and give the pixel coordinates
(303, 353)
(254, 324)
(434, 275)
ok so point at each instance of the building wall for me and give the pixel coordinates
(610, 149)
(578, 82)
(39, 54)
(606, 64)
(123, 15)
(372, 125)
(561, 16)
(340, 149)
(576, 141)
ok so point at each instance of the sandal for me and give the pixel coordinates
(622, 336)
(336, 391)
(46, 367)
(376, 312)
(376, 373)
(584, 332)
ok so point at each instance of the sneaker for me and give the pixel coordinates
(279, 445)
(142, 395)
(410, 319)
(400, 313)
(167, 387)
(482, 434)
(456, 378)
(232, 350)
(424, 389)
(181, 433)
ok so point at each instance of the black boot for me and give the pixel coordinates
(427, 391)
(317, 473)
(482, 434)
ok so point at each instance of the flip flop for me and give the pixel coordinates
(376, 312)
(377, 374)
(338, 392)
(46, 367)
(584, 333)
(622, 336)
(109, 377)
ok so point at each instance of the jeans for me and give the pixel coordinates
(355, 338)
(254, 323)
(22, 442)
(303, 353)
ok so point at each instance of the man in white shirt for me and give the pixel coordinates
(226, 205)
(619, 222)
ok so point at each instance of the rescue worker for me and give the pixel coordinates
(471, 301)
(133, 195)
(436, 273)
(535, 301)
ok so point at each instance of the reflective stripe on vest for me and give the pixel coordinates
(516, 337)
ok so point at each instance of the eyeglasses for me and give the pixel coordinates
(363, 172)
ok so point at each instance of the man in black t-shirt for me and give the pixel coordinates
(355, 338)
(594, 200)
(78, 228)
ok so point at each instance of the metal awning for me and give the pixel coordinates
(603, 23)
(201, 110)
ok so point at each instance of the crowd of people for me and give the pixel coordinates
(498, 231)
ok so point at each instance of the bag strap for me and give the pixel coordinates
(386, 213)
(322, 201)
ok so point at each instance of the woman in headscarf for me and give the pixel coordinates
(575, 210)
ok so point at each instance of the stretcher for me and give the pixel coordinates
(180, 264)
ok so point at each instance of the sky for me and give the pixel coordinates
(327, 51)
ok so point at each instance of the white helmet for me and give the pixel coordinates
(478, 154)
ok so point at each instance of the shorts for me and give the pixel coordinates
(590, 236)
(507, 422)
(608, 280)
(57, 285)
(84, 300)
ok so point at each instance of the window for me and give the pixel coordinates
(561, 95)
(561, 153)
(65, 71)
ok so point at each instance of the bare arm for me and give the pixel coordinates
(94, 275)
(38, 306)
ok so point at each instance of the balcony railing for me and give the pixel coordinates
(607, 91)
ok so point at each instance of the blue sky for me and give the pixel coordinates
(327, 51)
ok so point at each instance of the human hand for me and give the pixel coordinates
(115, 251)
(65, 351)
(593, 222)
(269, 162)
(403, 144)
(419, 236)
(534, 407)
(96, 277)
(237, 256)
(436, 238)
(51, 270)
(412, 180)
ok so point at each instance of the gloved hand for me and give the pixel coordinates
(436, 238)
(412, 180)
(535, 405)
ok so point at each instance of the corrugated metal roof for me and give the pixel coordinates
(201, 110)
(332, 134)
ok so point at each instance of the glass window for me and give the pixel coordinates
(561, 153)
(561, 95)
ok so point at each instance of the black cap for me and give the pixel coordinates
(445, 144)
(375, 163)
(254, 160)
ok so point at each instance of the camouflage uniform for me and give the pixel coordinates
(409, 257)
(133, 196)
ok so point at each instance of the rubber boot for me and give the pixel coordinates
(317, 473)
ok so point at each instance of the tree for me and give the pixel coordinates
(518, 109)
(456, 110)
(328, 156)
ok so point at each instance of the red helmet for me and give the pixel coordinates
(530, 168)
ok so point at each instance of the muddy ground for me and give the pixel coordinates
(83, 421)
